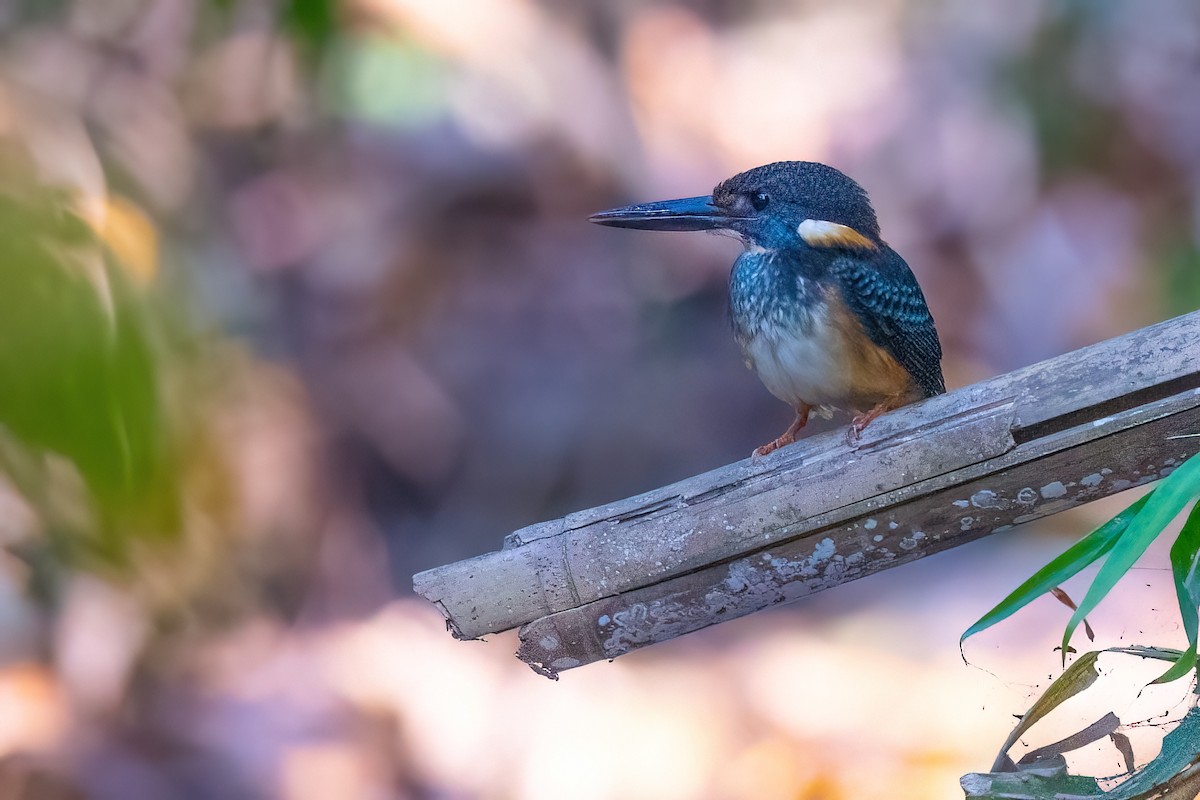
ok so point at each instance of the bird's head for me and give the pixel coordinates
(785, 205)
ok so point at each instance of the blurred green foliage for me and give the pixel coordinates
(1181, 266)
(36, 10)
(385, 80)
(311, 22)
(79, 382)
(1073, 131)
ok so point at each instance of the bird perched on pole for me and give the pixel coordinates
(824, 311)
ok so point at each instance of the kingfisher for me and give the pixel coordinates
(824, 311)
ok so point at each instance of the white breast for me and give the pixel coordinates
(796, 367)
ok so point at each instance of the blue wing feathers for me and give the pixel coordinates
(884, 295)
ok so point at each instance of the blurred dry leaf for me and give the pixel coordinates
(245, 81)
(1064, 598)
(130, 235)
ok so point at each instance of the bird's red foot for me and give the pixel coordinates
(771, 447)
(788, 436)
(854, 432)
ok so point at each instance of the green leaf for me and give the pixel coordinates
(1141, 651)
(1048, 778)
(1170, 497)
(1071, 562)
(1075, 678)
(1185, 563)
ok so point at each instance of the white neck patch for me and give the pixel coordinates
(821, 233)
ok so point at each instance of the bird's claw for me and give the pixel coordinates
(854, 434)
(771, 447)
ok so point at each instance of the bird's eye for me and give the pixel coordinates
(760, 200)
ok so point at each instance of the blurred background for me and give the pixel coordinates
(297, 299)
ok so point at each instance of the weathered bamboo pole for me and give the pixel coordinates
(598, 583)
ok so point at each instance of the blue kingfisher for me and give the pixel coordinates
(824, 311)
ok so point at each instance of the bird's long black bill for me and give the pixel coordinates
(688, 214)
